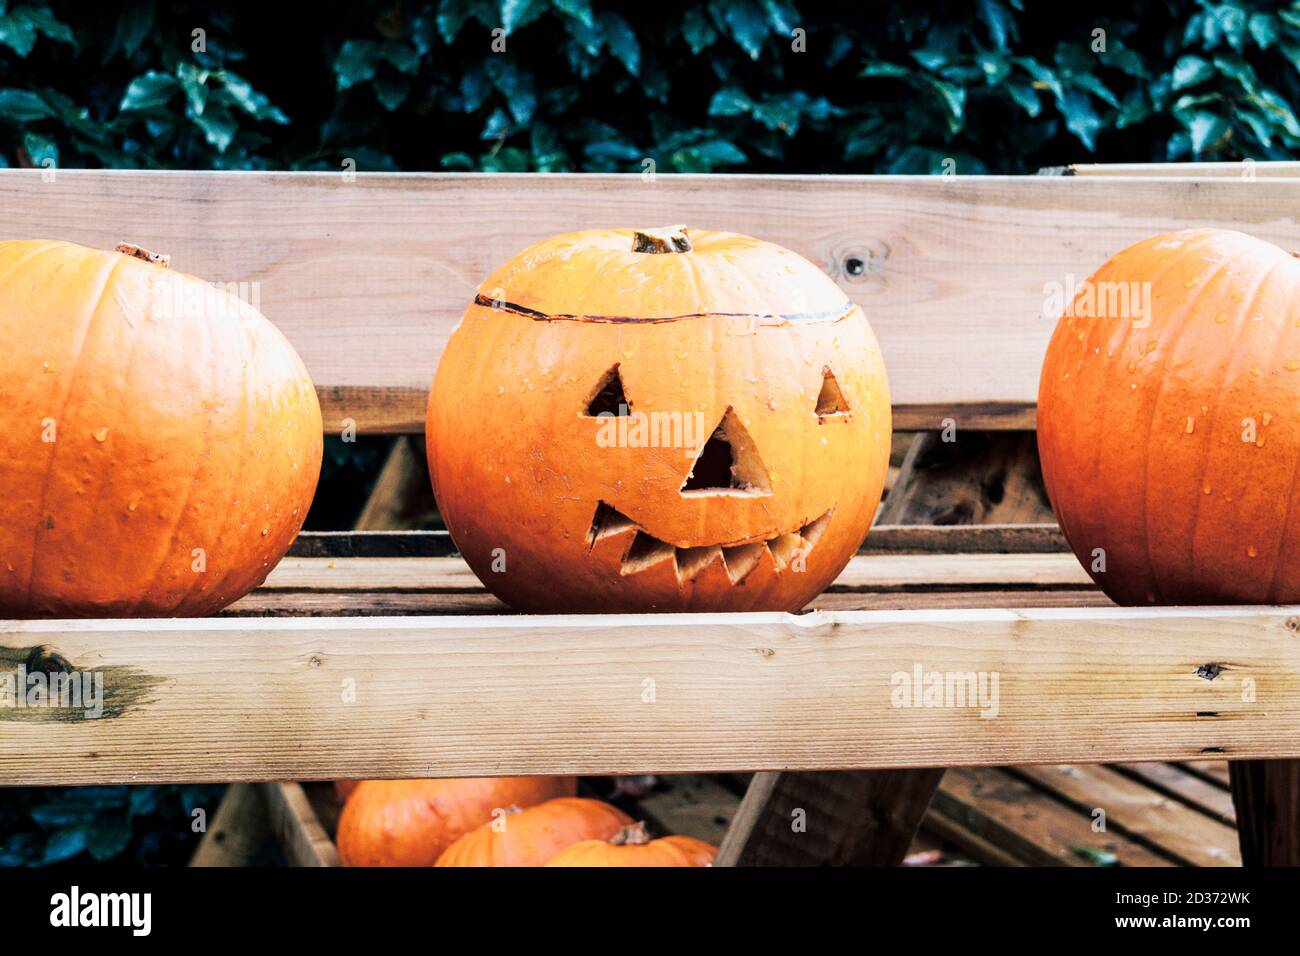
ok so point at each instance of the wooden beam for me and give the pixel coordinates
(848, 818)
(1243, 170)
(352, 698)
(367, 275)
(864, 572)
(239, 825)
(293, 820)
(1267, 798)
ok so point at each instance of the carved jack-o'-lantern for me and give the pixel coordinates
(656, 420)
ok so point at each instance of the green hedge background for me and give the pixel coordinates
(926, 86)
(1000, 86)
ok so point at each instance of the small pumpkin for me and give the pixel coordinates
(160, 440)
(411, 822)
(519, 837)
(1167, 421)
(659, 420)
(632, 846)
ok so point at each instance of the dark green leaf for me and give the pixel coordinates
(622, 42)
(1190, 70)
(579, 10)
(65, 844)
(745, 24)
(697, 30)
(148, 91)
(730, 102)
(22, 106)
(356, 62)
(218, 127)
(1080, 118)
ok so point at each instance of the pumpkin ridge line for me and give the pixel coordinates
(498, 305)
(67, 400)
(1166, 355)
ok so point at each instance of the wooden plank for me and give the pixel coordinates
(377, 603)
(845, 818)
(1267, 799)
(402, 497)
(1176, 783)
(864, 572)
(294, 822)
(368, 274)
(1237, 170)
(239, 825)
(690, 805)
(1025, 824)
(1211, 771)
(883, 539)
(1166, 826)
(939, 826)
(267, 699)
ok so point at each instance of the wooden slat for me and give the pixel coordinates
(1238, 170)
(377, 603)
(864, 572)
(300, 834)
(883, 539)
(368, 275)
(1164, 825)
(690, 805)
(401, 497)
(847, 818)
(268, 699)
(239, 825)
(1176, 783)
(1024, 824)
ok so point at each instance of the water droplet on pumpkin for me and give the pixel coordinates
(1206, 487)
(1191, 424)
(1190, 282)
(47, 368)
(265, 532)
(101, 434)
(1268, 417)
(1221, 318)
(1254, 372)
(1252, 552)
(1151, 347)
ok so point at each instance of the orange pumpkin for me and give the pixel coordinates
(160, 441)
(531, 837)
(632, 846)
(659, 420)
(1168, 426)
(411, 822)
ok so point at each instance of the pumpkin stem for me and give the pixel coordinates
(632, 835)
(139, 252)
(663, 239)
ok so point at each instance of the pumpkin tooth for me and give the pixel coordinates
(783, 548)
(691, 561)
(813, 530)
(742, 559)
(605, 522)
(645, 551)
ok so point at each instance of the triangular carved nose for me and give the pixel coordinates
(728, 464)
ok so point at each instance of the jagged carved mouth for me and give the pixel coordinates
(646, 551)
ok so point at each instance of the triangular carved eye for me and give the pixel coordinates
(830, 400)
(608, 398)
(728, 464)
